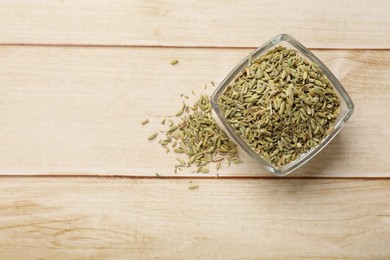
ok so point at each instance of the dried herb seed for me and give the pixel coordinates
(152, 136)
(281, 105)
(198, 136)
(194, 187)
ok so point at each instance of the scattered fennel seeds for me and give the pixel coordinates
(203, 170)
(145, 122)
(197, 136)
(152, 136)
(174, 62)
(281, 105)
(194, 187)
(218, 165)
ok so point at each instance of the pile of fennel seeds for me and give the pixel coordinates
(281, 105)
(197, 136)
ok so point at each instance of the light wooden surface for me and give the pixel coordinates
(78, 110)
(78, 77)
(318, 24)
(221, 219)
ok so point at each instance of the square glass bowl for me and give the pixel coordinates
(346, 104)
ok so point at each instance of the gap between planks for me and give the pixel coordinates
(172, 46)
(197, 177)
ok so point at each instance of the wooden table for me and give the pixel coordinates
(78, 177)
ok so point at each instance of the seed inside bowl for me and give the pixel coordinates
(281, 105)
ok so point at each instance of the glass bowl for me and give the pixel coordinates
(346, 104)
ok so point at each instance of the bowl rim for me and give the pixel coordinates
(288, 168)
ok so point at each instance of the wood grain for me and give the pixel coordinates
(75, 83)
(121, 218)
(78, 110)
(317, 24)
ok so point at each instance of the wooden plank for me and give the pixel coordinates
(78, 110)
(121, 218)
(318, 24)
